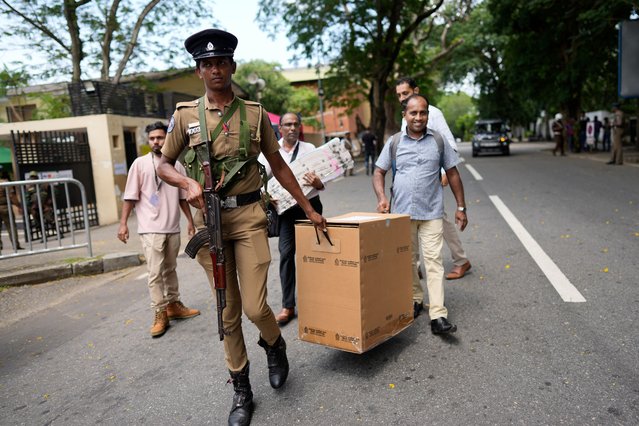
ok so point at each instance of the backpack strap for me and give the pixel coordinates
(395, 141)
(393, 154)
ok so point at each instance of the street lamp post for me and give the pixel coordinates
(320, 94)
(259, 84)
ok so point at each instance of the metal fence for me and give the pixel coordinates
(47, 213)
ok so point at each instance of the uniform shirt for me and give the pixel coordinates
(437, 122)
(305, 147)
(417, 190)
(184, 130)
(157, 204)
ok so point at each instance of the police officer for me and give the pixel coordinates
(244, 221)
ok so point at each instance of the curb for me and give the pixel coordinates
(43, 274)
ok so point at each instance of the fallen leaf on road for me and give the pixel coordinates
(127, 322)
(604, 250)
(605, 269)
(392, 386)
(507, 266)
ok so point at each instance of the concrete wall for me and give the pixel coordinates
(108, 158)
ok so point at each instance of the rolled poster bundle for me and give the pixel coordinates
(329, 162)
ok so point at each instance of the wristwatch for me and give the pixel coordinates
(461, 209)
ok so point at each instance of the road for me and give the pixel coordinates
(78, 352)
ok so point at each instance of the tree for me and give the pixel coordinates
(83, 36)
(277, 89)
(556, 68)
(458, 108)
(13, 81)
(361, 39)
(304, 101)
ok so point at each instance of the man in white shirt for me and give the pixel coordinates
(291, 149)
(404, 87)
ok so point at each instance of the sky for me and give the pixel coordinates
(238, 17)
(235, 16)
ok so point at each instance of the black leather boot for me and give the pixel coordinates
(277, 361)
(242, 408)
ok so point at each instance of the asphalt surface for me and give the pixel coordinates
(77, 351)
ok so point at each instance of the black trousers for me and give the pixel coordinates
(287, 249)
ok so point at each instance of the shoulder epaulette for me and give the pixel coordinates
(251, 103)
(188, 104)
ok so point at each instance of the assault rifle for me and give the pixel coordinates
(212, 235)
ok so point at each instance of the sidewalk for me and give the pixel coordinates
(109, 254)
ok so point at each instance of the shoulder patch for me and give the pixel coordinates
(171, 125)
(251, 103)
(189, 104)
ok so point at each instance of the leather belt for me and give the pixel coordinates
(235, 201)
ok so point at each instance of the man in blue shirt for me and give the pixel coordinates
(417, 191)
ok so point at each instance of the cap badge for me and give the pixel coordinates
(210, 46)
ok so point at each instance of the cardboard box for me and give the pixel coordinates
(357, 293)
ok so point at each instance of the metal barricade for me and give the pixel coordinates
(44, 218)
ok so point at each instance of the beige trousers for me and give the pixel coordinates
(248, 257)
(617, 146)
(427, 235)
(451, 236)
(160, 251)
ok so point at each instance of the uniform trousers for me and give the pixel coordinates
(427, 235)
(286, 247)
(617, 146)
(248, 257)
(160, 251)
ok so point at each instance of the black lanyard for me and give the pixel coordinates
(297, 148)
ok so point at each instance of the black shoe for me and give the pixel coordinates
(610, 162)
(442, 326)
(242, 409)
(276, 360)
(417, 308)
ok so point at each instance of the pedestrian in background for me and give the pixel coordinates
(617, 134)
(6, 203)
(558, 134)
(370, 145)
(569, 125)
(597, 123)
(606, 134)
(157, 207)
(290, 149)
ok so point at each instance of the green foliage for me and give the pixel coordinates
(277, 89)
(305, 101)
(363, 40)
(53, 107)
(83, 38)
(12, 80)
(459, 110)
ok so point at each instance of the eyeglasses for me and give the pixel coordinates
(290, 124)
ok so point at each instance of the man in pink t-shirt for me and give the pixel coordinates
(156, 207)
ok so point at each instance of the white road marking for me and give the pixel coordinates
(564, 287)
(142, 276)
(473, 172)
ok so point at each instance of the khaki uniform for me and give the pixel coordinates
(617, 142)
(244, 232)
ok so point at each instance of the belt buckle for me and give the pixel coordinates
(229, 202)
